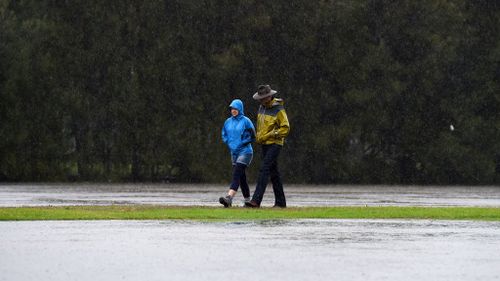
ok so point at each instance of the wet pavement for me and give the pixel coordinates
(254, 250)
(208, 194)
(250, 250)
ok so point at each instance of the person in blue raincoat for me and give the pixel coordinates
(238, 133)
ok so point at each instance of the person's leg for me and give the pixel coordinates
(227, 201)
(238, 172)
(245, 161)
(245, 189)
(279, 194)
(269, 157)
(231, 193)
(240, 162)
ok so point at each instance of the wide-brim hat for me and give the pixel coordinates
(264, 91)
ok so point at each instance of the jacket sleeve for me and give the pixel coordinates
(249, 133)
(284, 126)
(224, 134)
(281, 131)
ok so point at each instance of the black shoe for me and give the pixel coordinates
(279, 206)
(226, 201)
(252, 204)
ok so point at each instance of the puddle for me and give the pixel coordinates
(250, 250)
(207, 195)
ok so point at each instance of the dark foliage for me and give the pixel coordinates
(138, 90)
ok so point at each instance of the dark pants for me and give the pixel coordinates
(240, 179)
(269, 168)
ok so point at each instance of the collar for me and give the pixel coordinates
(270, 103)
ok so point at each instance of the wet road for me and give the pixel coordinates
(208, 194)
(262, 250)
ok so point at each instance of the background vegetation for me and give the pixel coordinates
(138, 90)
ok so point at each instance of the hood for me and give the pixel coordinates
(237, 104)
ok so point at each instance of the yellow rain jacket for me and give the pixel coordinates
(272, 123)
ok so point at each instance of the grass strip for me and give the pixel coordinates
(148, 212)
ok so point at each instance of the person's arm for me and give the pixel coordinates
(249, 134)
(248, 137)
(283, 125)
(224, 134)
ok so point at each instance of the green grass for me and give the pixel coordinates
(145, 212)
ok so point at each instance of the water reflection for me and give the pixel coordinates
(187, 250)
(207, 195)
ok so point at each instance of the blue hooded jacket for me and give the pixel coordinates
(238, 131)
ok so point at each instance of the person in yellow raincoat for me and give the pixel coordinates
(272, 129)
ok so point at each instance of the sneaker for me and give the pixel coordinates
(279, 206)
(226, 201)
(252, 204)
